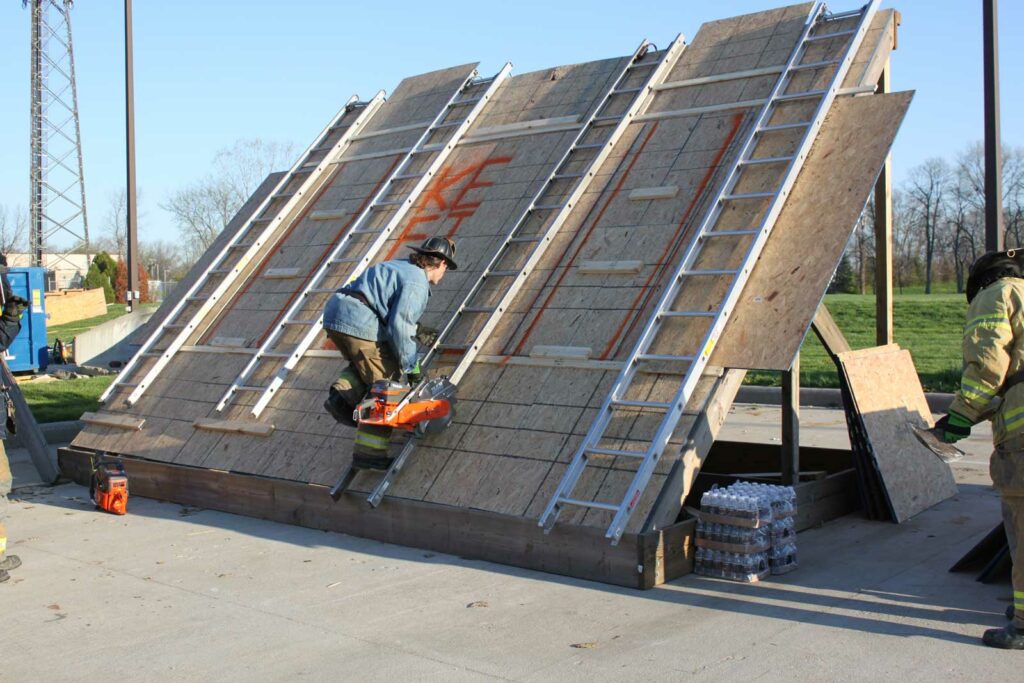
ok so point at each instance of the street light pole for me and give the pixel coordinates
(993, 142)
(132, 212)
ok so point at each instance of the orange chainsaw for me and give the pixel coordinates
(109, 487)
(426, 409)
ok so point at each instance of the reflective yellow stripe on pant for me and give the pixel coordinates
(372, 441)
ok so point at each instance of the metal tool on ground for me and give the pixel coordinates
(427, 409)
(625, 396)
(108, 488)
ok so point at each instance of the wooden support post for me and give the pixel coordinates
(790, 466)
(883, 241)
(829, 333)
(29, 431)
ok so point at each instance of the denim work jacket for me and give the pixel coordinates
(397, 293)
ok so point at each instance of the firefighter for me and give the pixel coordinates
(992, 387)
(10, 324)
(374, 322)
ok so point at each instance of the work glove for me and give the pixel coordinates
(14, 307)
(426, 336)
(954, 427)
(415, 376)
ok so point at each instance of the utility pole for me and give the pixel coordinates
(132, 209)
(993, 140)
(58, 218)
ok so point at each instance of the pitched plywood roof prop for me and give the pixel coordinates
(608, 215)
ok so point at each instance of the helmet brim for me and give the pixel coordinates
(430, 252)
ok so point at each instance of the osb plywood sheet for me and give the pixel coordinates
(787, 284)
(888, 394)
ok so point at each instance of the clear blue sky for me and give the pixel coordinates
(208, 72)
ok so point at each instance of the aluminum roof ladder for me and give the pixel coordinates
(248, 241)
(817, 32)
(448, 125)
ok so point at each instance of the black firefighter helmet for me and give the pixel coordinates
(441, 247)
(991, 266)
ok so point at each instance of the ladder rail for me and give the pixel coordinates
(307, 340)
(642, 98)
(678, 404)
(369, 110)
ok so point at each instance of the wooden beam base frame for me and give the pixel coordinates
(638, 561)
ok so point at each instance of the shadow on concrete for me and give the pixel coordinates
(855, 574)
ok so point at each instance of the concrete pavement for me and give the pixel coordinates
(174, 593)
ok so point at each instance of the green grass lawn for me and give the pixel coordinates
(64, 399)
(68, 330)
(928, 325)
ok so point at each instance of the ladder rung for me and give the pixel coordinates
(479, 309)
(625, 91)
(815, 65)
(829, 36)
(471, 100)
(365, 231)
(274, 354)
(613, 452)
(689, 314)
(241, 245)
(174, 326)
(284, 195)
(629, 403)
(248, 387)
(406, 176)
(263, 219)
(590, 145)
(765, 160)
(321, 290)
(387, 202)
(799, 96)
(783, 126)
(304, 169)
(709, 271)
(196, 298)
(730, 233)
(480, 81)
(547, 207)
(504, 273)
(220, 271)
(664, 356)
(589, 504)
(643, 65)
(566, 176)
(462, 348)
(526, 238)
(322, 148)
(448, 124)
(349, 259)
(610, 117)
(299, 322)
(747, 195)
(151, 354)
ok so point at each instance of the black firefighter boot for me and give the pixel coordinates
(9, 562)
(339, 409)
(1006, 638)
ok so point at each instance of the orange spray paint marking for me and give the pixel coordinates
(436, 207)
(565, 270)
(643, 298)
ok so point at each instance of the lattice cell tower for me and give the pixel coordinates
(59, 222)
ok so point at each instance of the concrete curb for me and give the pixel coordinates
(54, 432)
(823, 398)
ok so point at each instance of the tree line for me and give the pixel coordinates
(938, 223)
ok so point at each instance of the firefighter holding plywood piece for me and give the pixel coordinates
(373, 321)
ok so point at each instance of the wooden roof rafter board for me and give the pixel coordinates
(248, 250)
(788, 283)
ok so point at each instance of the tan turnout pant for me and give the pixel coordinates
(368, 362)
(1007, 470)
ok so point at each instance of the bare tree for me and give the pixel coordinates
(164, 260)
(927, 189)
(203, 208)
(904, 240)
(13, 229)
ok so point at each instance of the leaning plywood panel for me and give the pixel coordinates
(790, 278)
(887, 392)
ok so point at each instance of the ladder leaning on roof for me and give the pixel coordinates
(246, 243)
(385, 198)
(540, 222)
(697, 358)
